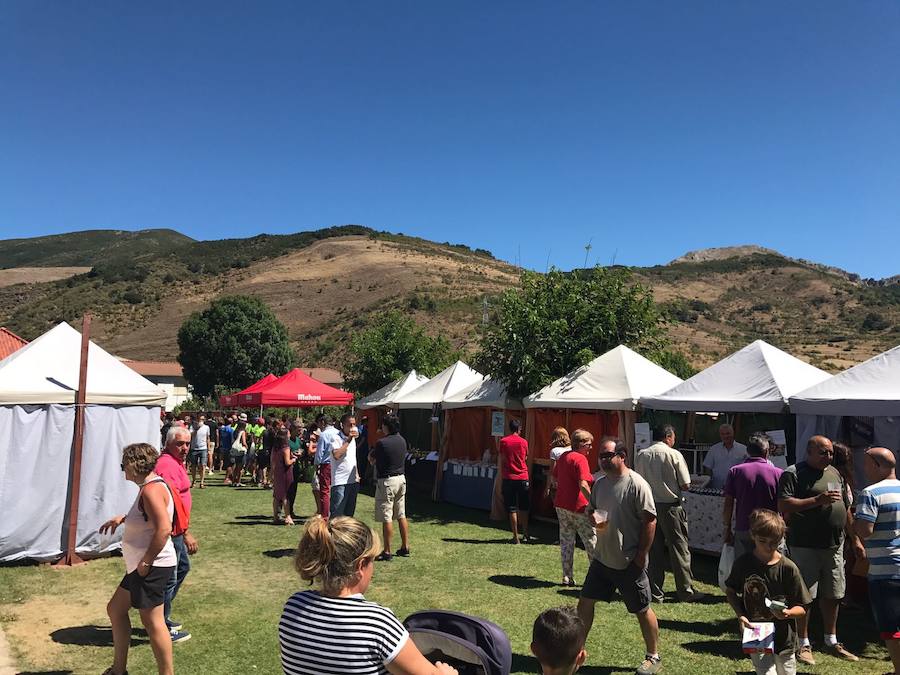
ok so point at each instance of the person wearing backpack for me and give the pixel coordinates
(170, 467)
(150, 560)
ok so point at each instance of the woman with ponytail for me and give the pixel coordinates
(335, 627)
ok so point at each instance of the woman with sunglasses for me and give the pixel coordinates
(336, 628)
(149, 561)
(573, 479)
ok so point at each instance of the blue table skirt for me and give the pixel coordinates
(475, 491)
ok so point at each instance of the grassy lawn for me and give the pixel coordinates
(55, 620)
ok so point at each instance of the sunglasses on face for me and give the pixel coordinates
(607, 455)
(122, 466)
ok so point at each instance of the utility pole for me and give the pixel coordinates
(587, 251)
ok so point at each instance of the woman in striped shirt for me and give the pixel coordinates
(335, 630)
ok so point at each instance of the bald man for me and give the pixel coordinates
(813, 496)
(877, 522)
(722, 456)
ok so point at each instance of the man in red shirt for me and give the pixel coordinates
(513, 462)
(170, 467)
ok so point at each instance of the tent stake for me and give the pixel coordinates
(70, 557)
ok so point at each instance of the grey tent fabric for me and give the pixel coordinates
(35, 462)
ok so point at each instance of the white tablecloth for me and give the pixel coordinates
(704, 514)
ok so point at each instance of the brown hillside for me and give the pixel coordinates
(325, 289)
(323, 293)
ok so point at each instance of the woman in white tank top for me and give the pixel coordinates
(149, 560)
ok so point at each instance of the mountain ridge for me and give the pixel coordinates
(326, 284)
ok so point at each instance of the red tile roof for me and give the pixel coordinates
(326, 375)
(9, 342)
(155, 368)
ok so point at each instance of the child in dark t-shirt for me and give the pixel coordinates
(764, 574)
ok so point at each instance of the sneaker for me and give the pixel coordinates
(384, 556)
(838, 651)
(174, 626)
(805, 655)
(179, 636)
(403, 552)
(650, 665)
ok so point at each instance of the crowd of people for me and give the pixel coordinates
(789, 527)
(793, 531)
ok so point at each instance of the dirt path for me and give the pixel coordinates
(7, 667)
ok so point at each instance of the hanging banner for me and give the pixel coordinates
(498, 423)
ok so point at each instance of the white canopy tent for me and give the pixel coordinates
(869, 389)
(439, 388)
(757, 378)
(600, 397)
(392, 391)
(617, 380)
(486, 393)
(37, 417)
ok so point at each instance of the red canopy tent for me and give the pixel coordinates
(296, 389)
(231, 400)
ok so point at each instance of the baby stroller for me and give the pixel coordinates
(471, 645)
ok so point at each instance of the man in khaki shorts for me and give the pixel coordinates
(813, 496)
(389, 458)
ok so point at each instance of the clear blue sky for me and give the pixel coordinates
(525, 128)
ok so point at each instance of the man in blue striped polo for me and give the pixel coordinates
(878, 523)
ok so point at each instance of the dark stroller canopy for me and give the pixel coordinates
(460, 639)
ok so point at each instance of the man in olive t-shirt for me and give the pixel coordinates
(813, 498)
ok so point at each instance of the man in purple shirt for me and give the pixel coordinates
(750, 485)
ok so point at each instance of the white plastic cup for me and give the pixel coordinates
(601, 519)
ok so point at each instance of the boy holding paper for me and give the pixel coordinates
(766, 587)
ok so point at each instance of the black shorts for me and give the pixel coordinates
(516, 495)
(632, 583)
(263, 458)
(884, 594)
(149, 591)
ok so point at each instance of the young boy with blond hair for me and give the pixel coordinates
(766, 586)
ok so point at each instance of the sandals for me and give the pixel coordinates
(110, 671)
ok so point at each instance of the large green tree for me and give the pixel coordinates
(392, 346)
(558, 321)
(234, 342)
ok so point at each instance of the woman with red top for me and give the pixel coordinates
(573, 487)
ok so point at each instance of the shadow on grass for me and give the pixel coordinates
(254, 517)
(730, 649)
(711, 628)
(457, 540)
(570, 592)
(45, 672)
(520, 581)
(280, 553)
(522, 663)
(94, 636)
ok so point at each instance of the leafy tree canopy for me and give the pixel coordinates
(390, 348)
(234, 342)
(556, 322)
(675, 362)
